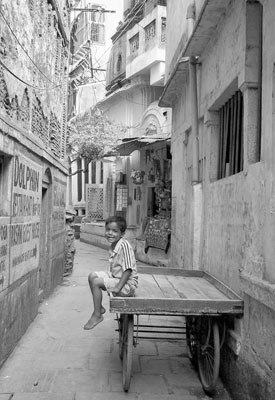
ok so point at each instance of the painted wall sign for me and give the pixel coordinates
(24, 229)
(4, 253)
(26, 188)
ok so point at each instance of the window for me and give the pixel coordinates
(97, 33)
(79, 179)
(97, 21)
(97, 16)
(119, 63)
(254, 39)
(231, 136)
(163, 29)
(150, 31)
(86, 173)
(101, 172)
(134, 43)
(93, 171)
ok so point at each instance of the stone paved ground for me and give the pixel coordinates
(57, 360)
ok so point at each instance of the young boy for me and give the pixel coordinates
(121, 278)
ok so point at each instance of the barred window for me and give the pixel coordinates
(231, 136)
(150, 30)
(98, 33)
(163, 29)
(134, 43)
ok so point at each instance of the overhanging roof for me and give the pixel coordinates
(174, 82)
(129, 145)
(206, 24)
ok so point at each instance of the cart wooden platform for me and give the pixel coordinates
(204, 302)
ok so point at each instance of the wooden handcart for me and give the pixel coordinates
(204, 302)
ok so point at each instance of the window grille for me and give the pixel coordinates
(163, 29)
(231, 136)
(97, 33)
(94, 204)
(150, 31)
(134, 43)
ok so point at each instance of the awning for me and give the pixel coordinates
(129, 145)
(175, 83)
(206, 25)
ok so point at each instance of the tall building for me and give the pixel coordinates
(93, 24)
(33, 167)
(141, 183)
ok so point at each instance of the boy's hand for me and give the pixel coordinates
(116, 290)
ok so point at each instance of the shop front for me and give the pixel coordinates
(148, 178)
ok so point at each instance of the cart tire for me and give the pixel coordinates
(191, 339)
(209, 354)
(127, 361)
(121, 335)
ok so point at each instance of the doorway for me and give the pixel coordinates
(44, 245)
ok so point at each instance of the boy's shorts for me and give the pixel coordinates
(110, 282)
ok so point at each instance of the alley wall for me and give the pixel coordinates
(33, 107)
(237, 223)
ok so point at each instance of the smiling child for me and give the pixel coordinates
(121, 278)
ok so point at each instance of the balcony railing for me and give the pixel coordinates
(146, 42)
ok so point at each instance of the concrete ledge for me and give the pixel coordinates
(260, 290)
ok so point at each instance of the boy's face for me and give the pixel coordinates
(113, 233)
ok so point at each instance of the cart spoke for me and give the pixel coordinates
(209, 354)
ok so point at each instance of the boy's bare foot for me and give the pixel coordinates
(93, 321)
(103, 310)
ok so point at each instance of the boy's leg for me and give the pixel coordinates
(91, 278)
(96, 285)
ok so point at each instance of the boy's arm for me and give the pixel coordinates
(125, 276)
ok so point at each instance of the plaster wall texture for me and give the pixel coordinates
(175, 31)
(33, 165)
(237, 243)
(181, 145)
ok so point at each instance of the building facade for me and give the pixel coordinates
(135, 79)
(33, 167)
(220, 85)
(93, 24)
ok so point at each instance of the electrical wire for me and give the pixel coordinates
(123, 29)
(26, 83)
(10, 28)
(138, 9)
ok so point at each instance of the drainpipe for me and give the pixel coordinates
(194, 117)
(190, 16)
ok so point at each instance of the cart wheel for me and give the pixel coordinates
(191, 339)
(127, 351)
(209, 354)
(121, 335)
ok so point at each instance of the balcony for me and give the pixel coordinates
(145, 48)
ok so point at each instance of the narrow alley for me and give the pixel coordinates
(57, 360)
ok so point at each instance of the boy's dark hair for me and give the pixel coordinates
(120, 221)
